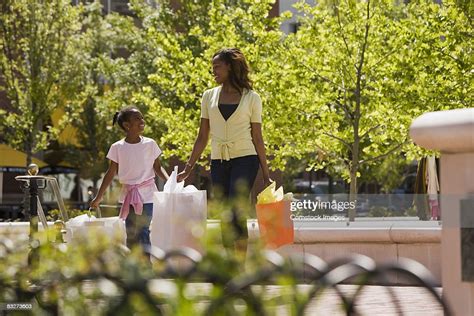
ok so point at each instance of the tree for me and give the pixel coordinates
(34, 36)
(363, 70)
(186, 37)
(105, 80)
(343, 90)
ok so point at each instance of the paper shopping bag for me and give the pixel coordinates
(179, 220)
(179, 216)
(275, 224)
(86, 227)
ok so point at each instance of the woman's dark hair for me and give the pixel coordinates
(124, 115)
(239, 69)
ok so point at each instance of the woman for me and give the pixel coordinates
(231, 115)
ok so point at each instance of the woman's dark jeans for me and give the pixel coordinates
(232, 181)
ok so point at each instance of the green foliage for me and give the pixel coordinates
(341, 92)
(381, 211)
(363, 71)
(389, 172)
(34, 39)
(185, 41)
(105, 81)
(96, 275)
(338, 95)
(100, 277)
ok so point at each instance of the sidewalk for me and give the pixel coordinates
(373, 300)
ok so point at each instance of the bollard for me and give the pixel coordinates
(33, 215)
(32, 184)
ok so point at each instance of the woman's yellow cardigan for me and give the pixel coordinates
(231, 138)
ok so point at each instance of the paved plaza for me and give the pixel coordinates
(373, 300)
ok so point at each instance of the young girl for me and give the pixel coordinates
(135, 160)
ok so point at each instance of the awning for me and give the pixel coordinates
(11, 158)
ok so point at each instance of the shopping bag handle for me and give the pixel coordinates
(98, 212)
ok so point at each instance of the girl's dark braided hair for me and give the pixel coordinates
(124, 115)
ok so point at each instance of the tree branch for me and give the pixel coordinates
(322, 77)
(383, 155)
(366, 36)
(345, 108)
(456, 60)
(341, 30)
(370, 130)
(384, 57)
(339, 139)
(332, 155)
(364, 46)
(9, 55)
(359, 70)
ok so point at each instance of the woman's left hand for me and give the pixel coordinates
(183, 175)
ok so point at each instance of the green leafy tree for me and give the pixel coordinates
(112, 63)
(362, 71)
(186, 37)
(34, 37)
(341, 92)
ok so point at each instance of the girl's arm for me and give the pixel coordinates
(109, 175)
(199, 145)
(159, 170)
(257, 140)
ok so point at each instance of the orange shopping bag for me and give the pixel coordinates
(275, 224)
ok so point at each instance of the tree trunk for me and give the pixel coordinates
(354, 168)
(353, 191)
(357, 113)
(353, 184)
(29, 149)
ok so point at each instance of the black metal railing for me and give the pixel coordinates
(131, 273)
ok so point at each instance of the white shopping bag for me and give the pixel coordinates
(86, 226)
(179, 216)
